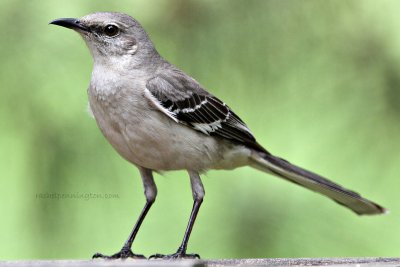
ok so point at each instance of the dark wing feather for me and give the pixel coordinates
(183, 99)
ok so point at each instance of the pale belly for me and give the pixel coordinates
(154, 141)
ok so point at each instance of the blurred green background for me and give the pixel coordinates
(318, 82)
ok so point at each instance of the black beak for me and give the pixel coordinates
(70, 23)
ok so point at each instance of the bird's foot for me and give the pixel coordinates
(176, 256)
(123, 254)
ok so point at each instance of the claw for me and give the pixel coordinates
(123, 254)
(175, 256)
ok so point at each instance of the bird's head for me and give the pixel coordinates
(110, 35)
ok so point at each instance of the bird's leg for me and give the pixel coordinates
(198, 195)
(150, 191)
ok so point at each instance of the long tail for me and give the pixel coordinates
(282, 168)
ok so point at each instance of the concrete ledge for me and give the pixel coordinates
(342, 262)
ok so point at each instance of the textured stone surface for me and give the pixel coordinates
(356, 262)
(103, 263)
(342, 262)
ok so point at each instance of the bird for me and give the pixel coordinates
(160, 119)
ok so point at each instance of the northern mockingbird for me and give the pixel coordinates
(160, 119)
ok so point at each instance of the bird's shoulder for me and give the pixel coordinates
(169, 79)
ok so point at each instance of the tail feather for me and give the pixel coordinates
(284, 169)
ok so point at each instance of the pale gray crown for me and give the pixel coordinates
(115, 34)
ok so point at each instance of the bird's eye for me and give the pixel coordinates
(111, 30)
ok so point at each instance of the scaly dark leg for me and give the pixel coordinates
(198, 195)
(150, 191)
